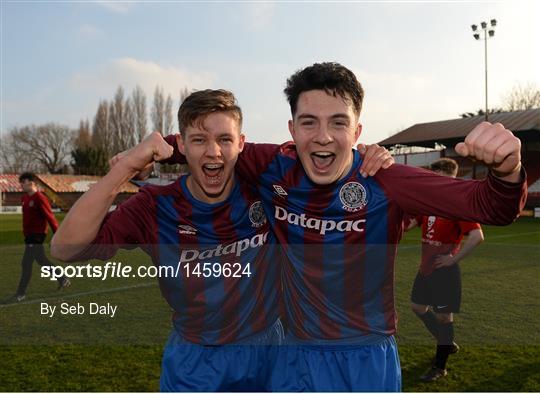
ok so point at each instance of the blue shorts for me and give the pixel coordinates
(337, 368)
(234, 367)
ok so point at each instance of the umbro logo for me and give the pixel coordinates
(280, 191)
(185, 229)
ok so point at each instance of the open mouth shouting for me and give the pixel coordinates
(322, 160)
(213, 172)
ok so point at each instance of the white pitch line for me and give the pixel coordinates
(81, 294)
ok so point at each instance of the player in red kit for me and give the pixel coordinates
(36, 214)
(436, 293)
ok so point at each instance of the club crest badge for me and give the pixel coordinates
(31, 203)
(353, 196)
(256, 214)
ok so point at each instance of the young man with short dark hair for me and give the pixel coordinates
(37, 214)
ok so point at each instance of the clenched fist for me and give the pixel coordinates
(495, 146)
(141, 157)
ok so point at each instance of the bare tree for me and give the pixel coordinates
(481, 112)
(87, 159)
(158, 110)
(116, 116)
(83, 138)
(184, 92)
(168, 121)
(128, 137)
(139, 109)
(101, 131)
(49, 145)
(522, 97)
(14, 159)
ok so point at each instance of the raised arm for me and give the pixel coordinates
(84, 220)
(421, 192)
(497, 200)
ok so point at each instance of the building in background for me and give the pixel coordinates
(423, 143)
(62, 190)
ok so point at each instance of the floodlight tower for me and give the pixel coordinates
(489, 32)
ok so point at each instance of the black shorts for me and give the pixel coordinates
(441, 290)
(35, 238)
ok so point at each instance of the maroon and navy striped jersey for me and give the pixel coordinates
(222, 277)
(340, 240)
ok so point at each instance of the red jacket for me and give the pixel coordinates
(36, 214)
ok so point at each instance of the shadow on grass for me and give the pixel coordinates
(523, 377)
(486, 368)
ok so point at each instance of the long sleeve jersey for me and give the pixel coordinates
(340, 240)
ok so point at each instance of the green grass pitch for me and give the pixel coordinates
(497, 328)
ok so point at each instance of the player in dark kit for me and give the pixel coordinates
(436, 293)
(340, 230)
(209, 228)
(37, 214)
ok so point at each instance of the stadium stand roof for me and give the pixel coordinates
(59, 183)
(77, 183)
(9, 183)
(525, 124)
